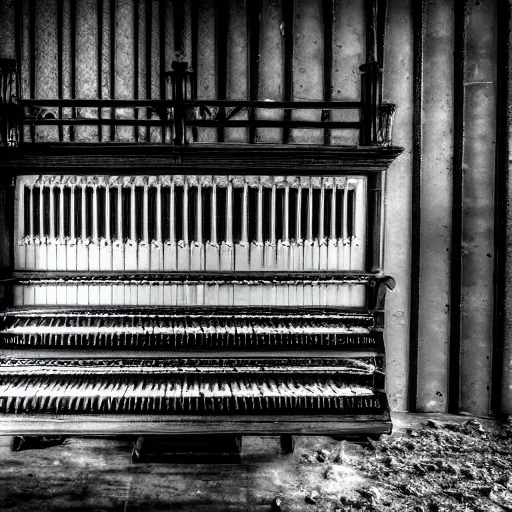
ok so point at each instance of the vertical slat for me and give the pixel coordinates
(32, 65)
(221, 56)
(432, 209)
(161, 41)
(254, 11)
(308, 72)
(112, 33)
(289, 18)
(99, 55)
(502, 358)
(136, 22)
(149, 57)
(478, 165)
(72, 49)
(60, 71)
(271, 67)
(46, 65)
(349, 41)
(328, 19)
(206, 62)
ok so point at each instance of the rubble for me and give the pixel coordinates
(435, 466)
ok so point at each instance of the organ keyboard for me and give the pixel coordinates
(187, 303)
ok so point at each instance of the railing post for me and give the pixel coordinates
(10, 94)
(178, 77)
(371, 80)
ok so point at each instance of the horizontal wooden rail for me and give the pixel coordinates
(106, 103)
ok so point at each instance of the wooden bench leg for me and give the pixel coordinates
(29, 442)
(287, 443)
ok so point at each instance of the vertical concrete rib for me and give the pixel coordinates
(436, 206)
(478, 208)
(398, 90)
(504, 214)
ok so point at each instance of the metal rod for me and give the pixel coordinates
(221, 30)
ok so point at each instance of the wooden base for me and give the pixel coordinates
(188, 449)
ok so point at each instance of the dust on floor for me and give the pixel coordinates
(441, 464)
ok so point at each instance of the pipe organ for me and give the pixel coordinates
(170, 301)
(185, 284)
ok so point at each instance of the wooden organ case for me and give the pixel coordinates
(194, 288)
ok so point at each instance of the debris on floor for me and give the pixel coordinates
(433, 467)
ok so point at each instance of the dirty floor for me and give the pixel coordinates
(430, 463)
